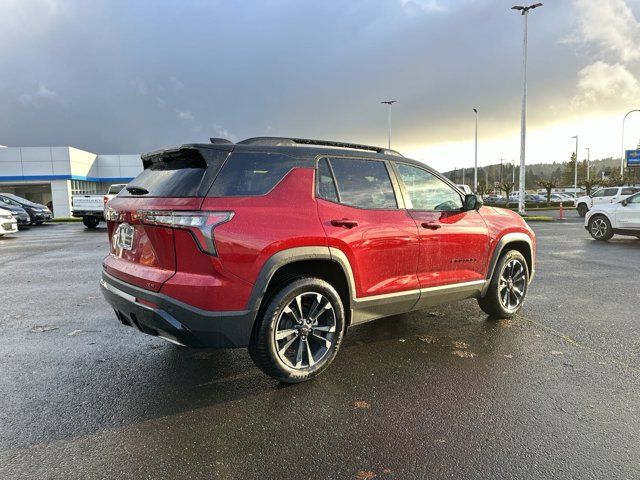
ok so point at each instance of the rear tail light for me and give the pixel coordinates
(201, 224)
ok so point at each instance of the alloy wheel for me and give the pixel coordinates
(598, 228)
(305, 330)
(512, 285)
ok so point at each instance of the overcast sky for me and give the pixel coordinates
(113, 76)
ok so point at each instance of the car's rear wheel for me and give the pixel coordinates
(299, 332)
(600, 228)
(582, 210)
(90, 222)
(508, 286)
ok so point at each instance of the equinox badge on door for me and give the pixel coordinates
(123, 236)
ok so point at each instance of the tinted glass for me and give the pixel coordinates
(363, 183)
(629, 191)
(251, 173)
(176, 176)
(634, 199)
(426, 191)
(599, 193)
(326, 185)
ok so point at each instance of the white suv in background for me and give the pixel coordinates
(601, 196)
(8, 223)
(621, 218)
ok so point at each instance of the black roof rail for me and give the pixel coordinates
(284, 141)
(219, 140)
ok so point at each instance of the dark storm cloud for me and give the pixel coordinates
(121, 77)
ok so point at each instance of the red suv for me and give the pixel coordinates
(281, 244)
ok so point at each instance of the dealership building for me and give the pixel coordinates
(54, 174)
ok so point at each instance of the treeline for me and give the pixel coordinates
(601, 172)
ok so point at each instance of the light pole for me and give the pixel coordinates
(389, 103)
(523, 121)
(575, 177)
(588, 161)
(475, 168)
(622, 143)
(513, 172)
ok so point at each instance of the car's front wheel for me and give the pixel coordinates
(582, 210)
(299, 332)
(600, 228)
(508, 286)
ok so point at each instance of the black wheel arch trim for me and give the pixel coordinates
(505, 241)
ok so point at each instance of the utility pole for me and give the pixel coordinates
(575, 178)
(588, 161)
(389, 103)
(475, 168)
(523, 120)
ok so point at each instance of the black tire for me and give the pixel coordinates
(501, 300)
(582, 209)
(90, 222)
(271, 355)
(600, 228)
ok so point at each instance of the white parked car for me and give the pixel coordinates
(603, 196)
(8, 223)
(620, 218)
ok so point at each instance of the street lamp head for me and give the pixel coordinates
(525, 10)
(475, 110)
(389, 102)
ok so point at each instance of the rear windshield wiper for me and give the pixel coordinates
(133, 190)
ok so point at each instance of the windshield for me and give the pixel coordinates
(18, 199)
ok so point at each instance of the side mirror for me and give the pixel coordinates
(473, 202)
(624, 202)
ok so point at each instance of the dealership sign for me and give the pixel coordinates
(633, 158)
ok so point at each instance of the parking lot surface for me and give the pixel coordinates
(440, 393)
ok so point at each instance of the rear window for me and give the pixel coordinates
(251, 174)
(629, 191)
(177, 174)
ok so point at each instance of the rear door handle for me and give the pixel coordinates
(430, 226)
(344, 222)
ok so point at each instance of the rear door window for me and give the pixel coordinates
(251, 174)
(326, 184)
(629, 191)
(363, 183)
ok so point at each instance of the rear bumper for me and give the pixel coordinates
(88, 213)
(159, 315)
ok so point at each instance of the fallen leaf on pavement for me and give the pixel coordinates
(556, 353)
(505, 323)
(435, 314)
(460, 344)
(365, 475)
(428, 338)
(361, 404)
(402, 340)
(43, 328)
(508, 356)
(463, 353)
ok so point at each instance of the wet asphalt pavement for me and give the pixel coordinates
(441, 393)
